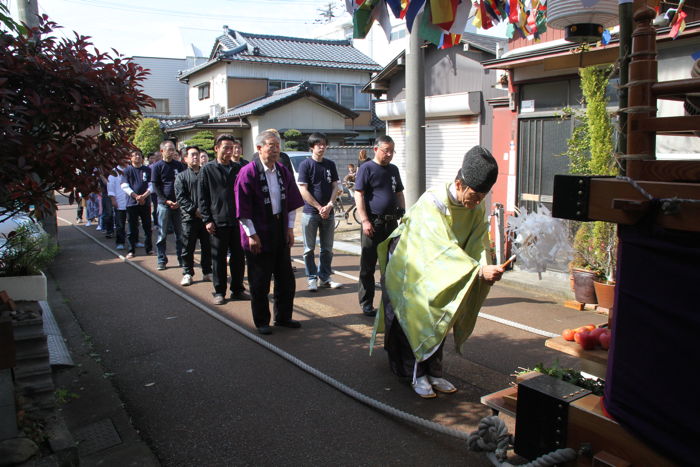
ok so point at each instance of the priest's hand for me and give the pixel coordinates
(255, 244)
(492, 273)
(290, 237)
(367, 228)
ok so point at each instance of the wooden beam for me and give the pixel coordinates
(664, 171)
(667, 124)
(608, 195)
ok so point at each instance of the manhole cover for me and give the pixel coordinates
(96, 437)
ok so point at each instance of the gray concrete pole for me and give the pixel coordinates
(28, 12)
(415, 117)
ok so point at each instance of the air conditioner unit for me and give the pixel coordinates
(215, 110)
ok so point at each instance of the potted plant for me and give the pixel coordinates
(590, 151)
(25, 250)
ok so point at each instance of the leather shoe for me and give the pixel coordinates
(293, 324)
(241, 295)
(371, 312)
(264, 330)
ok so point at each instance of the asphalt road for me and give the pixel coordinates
(201, 393)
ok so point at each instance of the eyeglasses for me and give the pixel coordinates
(387, 152)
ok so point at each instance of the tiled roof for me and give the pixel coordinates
(283, 50)
(281, 97)
(486, 43)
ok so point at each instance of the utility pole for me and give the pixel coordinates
(415, 116)
(28, 12)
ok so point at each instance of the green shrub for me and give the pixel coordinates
(26, 251)
(203, 140)
(148, 136)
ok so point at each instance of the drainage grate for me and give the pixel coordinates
(96, 437)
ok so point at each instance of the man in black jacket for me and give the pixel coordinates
(217, 205)
(187, 196)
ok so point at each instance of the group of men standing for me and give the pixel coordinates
(435, 267)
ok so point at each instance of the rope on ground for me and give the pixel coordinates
(493, 438)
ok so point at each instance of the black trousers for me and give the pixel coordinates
(193, 230)
(134, 214)
(261, 268)
(120, 223)
(401, 358)
(225, 240)
(368, 261)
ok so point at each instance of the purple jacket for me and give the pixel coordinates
(250, 202)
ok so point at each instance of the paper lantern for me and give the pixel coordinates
(583, 20)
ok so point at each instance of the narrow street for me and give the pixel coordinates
(201, 393)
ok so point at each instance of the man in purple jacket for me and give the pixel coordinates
(266, 201)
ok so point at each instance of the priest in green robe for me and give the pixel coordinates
(436, 274)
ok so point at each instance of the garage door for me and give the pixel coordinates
(446, 141)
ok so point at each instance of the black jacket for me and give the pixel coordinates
(187, 194)
(217, 200)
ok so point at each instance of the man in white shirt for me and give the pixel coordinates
(119, 199)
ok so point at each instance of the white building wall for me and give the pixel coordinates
(296, 73)
(216, 77)
(162, 83)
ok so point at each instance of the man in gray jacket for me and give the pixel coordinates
(187, 196)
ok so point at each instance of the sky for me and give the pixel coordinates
(164, 28)
(161, 28)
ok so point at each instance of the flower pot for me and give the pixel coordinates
(25, 287)
(605, 293)
(583, 286)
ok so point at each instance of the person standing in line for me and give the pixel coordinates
(318, 184)
(152, 159)
(163, 175)
(203, 158)
(380, 204)
(187, 196)
(217, 205)
(118, 198)
(136, 183)
(362, 157)
(106, 223)
(441, 289)
(267, 198)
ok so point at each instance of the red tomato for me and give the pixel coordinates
(568, 334)
(587, 327)
(598, 331)
(604, 340)
(585, 340)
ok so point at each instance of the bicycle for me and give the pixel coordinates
(339, 212)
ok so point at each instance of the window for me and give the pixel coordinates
(327, 90)
(273, 86)
(397, 34)
(347, 96)
(289, 84)
(361, 99)
(203, 91)
(162, 107)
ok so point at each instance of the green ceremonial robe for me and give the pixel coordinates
(432, 275)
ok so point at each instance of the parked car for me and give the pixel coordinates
(296, 157)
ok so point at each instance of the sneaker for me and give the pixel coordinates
(129, 255)
(120, 247)
(88, 224)
(219, 299)
(161, 267)
(139, 245)
(442, 385)
(329, 284)
(371, 312)
(186, 280)
(207, 277)
(99, 227)
(313, 285)
(423, 388)
(109, 235)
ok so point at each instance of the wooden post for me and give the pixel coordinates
(642, 75)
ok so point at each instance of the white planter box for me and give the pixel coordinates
(25, 287)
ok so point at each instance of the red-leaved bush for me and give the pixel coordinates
(65, 112)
